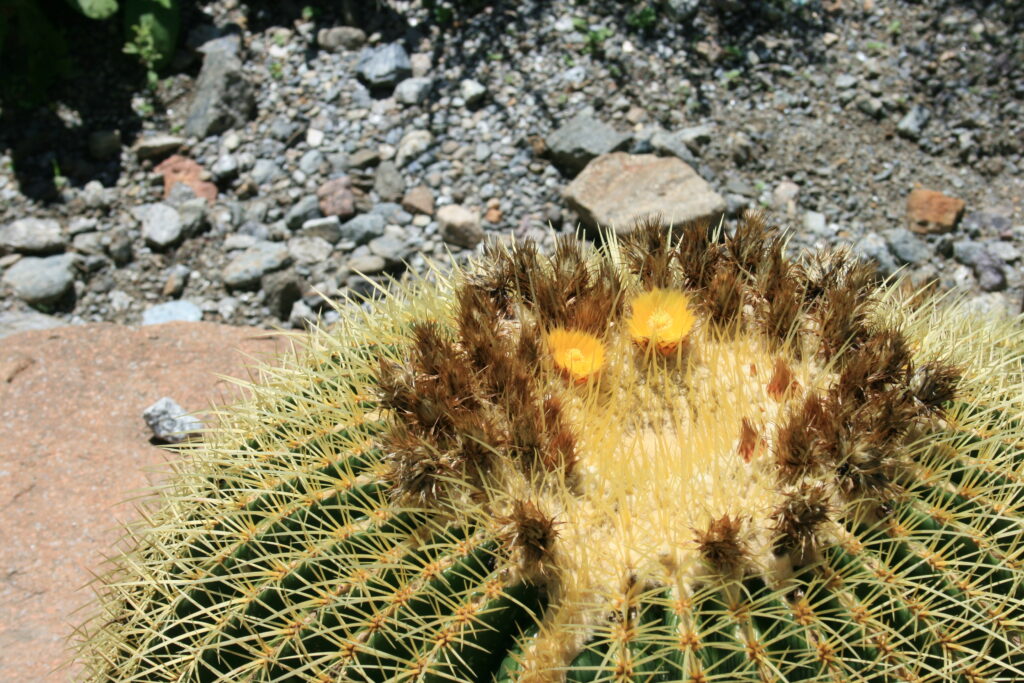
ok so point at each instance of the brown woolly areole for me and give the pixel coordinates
(723, 460)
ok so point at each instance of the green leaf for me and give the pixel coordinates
(95, 9)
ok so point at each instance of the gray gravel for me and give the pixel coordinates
(375, 148)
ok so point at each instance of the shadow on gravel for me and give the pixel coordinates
(49, 141)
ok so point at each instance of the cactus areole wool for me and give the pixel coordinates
(681, 456)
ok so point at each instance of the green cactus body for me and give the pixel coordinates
(681, 457)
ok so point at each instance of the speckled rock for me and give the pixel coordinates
(615, 189)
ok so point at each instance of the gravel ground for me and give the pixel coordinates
(317, 146)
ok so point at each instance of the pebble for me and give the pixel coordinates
(157, 145)
(338, 38)
(908, 247)
(177, 278)
(32, 236)
(412, 144)
(388, 182)
(414, 90)
(363, 228)
(929, 211)
(303, 210)
(41, 281)
(309, 250)
(460, 226)
(169, 422)
(367, 264)
(911, 125)
(472, 92)
(161, 224)
(583, 138)
(282, 290)
(873, 247)
(419, 200)
(384, 66)
(814, 222)
(845, 81)
(327, 228)
(172, 311)
(245, 270)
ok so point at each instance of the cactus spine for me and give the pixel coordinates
(682, 457)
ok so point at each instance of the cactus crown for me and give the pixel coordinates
(681, 457)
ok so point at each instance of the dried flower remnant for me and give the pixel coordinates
(662, 318)
(578, 354)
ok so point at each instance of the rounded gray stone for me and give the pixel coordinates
(32, 236)
(41, 281)
(245, 270)
(161, 224)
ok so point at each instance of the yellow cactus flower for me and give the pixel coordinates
(578, 354)
(661, 317)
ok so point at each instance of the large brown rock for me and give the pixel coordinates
(75, 446)
(615, 189)
(931, 212)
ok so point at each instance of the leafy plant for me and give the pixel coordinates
(681, 457)
(643, 19)
(143, 45)
(34, 51)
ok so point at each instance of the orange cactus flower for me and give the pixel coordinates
(579, 355)
(661, 317)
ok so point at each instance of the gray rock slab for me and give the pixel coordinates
(363, 228)
(32, 236)
(223, 96)
(616, 189)
(384, 66)
(172, 311)
(245, 270)
(41, 281)
(581, 139)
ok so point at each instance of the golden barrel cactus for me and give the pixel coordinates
(679, 457)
